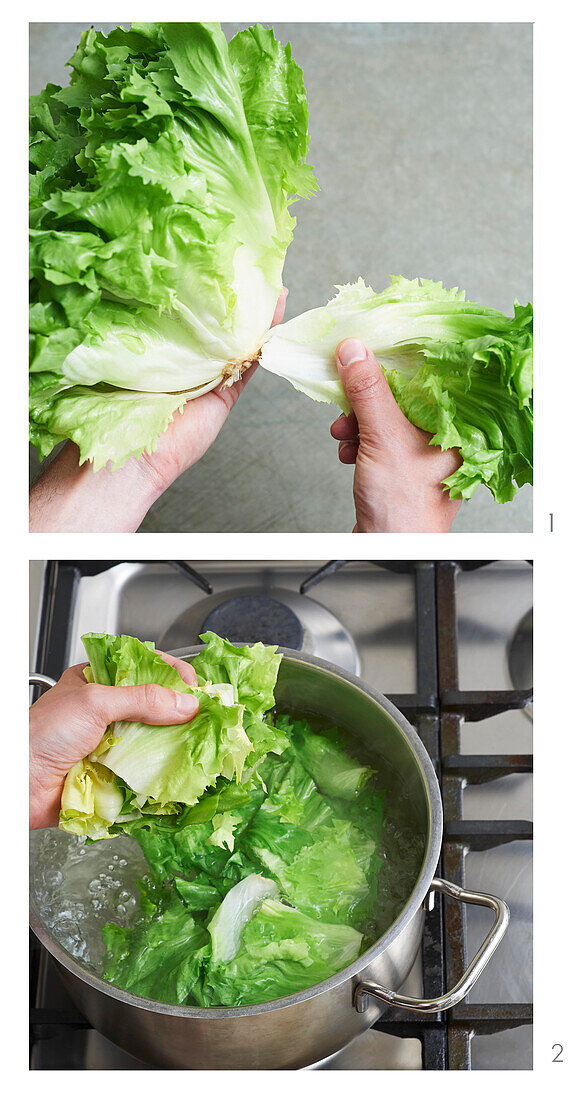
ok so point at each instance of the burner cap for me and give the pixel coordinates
(256, 619)
(520, 654)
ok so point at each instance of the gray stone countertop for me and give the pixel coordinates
(421, 140)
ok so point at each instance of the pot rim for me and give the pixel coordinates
(349, 973)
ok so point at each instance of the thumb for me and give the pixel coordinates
(148, 703)
(367, 391)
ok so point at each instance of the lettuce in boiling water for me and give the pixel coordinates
(281, 952)
(263, 877)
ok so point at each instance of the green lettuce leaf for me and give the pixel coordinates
(160, 184)
(458, 370)
(292, 794)
(163, 955)
(94, 417)
(281, 952)
(335, 773)
(155, 770)
(182, 845)
(324, 864)
(330, 879)
(252, 670)
(198, 894)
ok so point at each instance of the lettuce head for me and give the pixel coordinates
(161, 180)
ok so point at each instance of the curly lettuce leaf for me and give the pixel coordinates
(281, 952)
(181, 844)
(458, 370)
(162, 956)
(95, 417)
(334, 771)
(160, 770)
(252, 670)
(324, 864)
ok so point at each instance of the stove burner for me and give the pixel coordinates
(520, 653)
(274, 616)
(256, 619)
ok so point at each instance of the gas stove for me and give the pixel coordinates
(451, 644)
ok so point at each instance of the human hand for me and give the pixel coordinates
(397, 485)
(195, 427)
(69, 497)
(68, 721)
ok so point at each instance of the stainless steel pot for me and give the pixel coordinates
(300, 1030)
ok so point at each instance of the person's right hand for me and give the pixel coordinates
(68, 721)
(397, 484)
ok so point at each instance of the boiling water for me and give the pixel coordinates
(78, 887)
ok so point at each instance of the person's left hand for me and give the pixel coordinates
(69, 497)
(195, 427)
(68, 721)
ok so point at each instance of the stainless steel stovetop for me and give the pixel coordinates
(363, 619)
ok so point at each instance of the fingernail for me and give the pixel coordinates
(185, 704)
(351, 351)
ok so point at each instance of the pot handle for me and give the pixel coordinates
(37, 679)
(455, 995)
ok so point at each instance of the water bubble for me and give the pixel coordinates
(73, 892)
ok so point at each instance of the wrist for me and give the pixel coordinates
(400, 515)
(70, 497)
(45, 794)
(156, 472)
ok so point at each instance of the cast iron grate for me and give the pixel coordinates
(436, 710)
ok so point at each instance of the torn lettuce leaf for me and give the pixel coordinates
(223, 834)
(154, 771)
(234, 912)
(322, 862)
(162, 955)
(180, 845)
(252, 670)
(335, 773)
(281, 952)
(458, 370)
